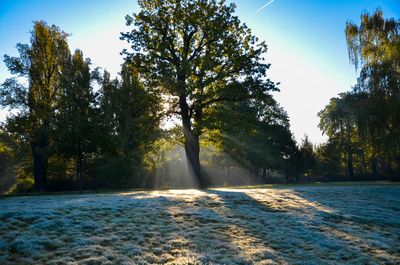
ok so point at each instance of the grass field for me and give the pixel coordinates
(317, 224)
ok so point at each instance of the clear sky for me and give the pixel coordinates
(307, 47)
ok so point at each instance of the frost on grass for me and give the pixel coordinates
(303, 225)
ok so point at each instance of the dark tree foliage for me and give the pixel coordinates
(197, 53)
(256, 134)
(363, 125)
(307, 158)
(76, 129)
(70, 128)
(41, 63)
(131, 117)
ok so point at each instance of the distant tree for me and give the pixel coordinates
(307, 157)
(197, 53)
(256, 134)
(41, 64)
(339, 120)
(328, 160)
(131, 124)
(374, 47)
(76, 131)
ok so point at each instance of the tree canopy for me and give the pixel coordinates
(197, 53)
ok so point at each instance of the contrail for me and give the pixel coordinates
(261, 8)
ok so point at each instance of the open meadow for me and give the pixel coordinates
(321, 224)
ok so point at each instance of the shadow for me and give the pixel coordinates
(292, 231)
(128, 228)
(256, 226)
(233, 242)
(365, 217)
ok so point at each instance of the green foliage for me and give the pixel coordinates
(15, 163)
(196, 53)
(308, 159)
(255, 134)
(192, 59)
(42, 64)
(130, 115)
(76, 120)
(75, 134)
(363, 125)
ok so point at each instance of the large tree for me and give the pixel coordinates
(374, 47)
(255, 133)
(339, 120)
(131, 124)
(40, 64)
(76, 117)
(196, 53)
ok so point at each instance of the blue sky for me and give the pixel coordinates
(307, 47)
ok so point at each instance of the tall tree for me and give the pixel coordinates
(137, 112)
(130, 120)
(197, 53)
(374, 46)
(307, 157)
(255, 133)
(76, 126)
(41, 64)
(339, 120)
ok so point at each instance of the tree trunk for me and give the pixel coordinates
(192, 145)
(227, 177)
(40, 161)
(192, 150)
(264, 174)
(79, 169)
(396, 176)
(350, 169)
(286, 169)
(350, 166)
(374, 167)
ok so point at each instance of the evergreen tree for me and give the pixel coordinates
(307, 157)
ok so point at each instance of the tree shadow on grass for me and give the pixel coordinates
(176, 227)
(214, 236)
(100, 229)
(365, 217)
(294, 233)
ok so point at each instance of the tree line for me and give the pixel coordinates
(363, 125)
(62, 128)
(72, 126)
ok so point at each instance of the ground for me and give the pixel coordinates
(288, 225)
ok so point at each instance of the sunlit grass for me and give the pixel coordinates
(335, 183)
(320, 224)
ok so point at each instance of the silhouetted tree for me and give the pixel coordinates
(131, 116)
(197, 53)
(255, 133)
(339, 120)
(307, 157)
(41, 63)
(76, 118)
